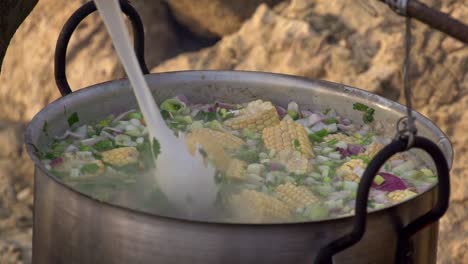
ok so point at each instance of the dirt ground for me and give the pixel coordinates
(343, 41)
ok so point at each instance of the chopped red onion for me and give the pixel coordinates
(281, 111)
(391, 183)
(355, 149)
(345, 121)
(56, 162)
(351, 150)
(225, 106)
(318, 126)
(275, 166)
(314, 118)
(182, 98)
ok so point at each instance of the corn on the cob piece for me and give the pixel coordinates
(254, 206)
(400, 195)
(295, 196)
(214, 143)
(237, 169)
(255, 116)
(339, 137)
(288, 135)
(373, 149)
(346, 171)
(121, 156)
(294, 161)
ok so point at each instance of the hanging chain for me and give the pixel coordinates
(398, 5)
(406, 127)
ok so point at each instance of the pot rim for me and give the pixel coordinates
(31, 148)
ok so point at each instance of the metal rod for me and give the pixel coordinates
(433, 18)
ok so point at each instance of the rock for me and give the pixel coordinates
(10, 253)
(27, 80)
(12, 14)
(213, 18)
(11, 139)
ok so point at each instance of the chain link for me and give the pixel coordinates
(406, 127)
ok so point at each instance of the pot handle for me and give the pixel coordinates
(327, 252)
(73, 22)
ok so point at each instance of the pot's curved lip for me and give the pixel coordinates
(31, 148)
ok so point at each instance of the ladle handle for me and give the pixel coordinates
(73, 22)
(327, 252)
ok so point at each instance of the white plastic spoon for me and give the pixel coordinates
(188, 183)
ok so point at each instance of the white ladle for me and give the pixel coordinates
(188, 183)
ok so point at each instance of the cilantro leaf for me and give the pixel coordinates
(89, 168)
(156, 148)
(73, 118)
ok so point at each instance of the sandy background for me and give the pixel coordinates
(341, 41)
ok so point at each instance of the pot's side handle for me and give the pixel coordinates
(73, 22)
(326, 253)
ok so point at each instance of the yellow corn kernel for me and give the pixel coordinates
(287, 135)
(400, 195)
(257, 207)
(237, 169)
(294, 161)
(255, 116)
(373, 149)
(121, 156)
(295, 196)
(346, 170)
(339, 137)
(215, 144)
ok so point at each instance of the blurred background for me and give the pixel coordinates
(350, 42)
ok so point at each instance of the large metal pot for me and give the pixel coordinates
(70, 227)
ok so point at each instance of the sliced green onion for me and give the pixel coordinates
(73, 119)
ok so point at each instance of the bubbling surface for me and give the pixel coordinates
(273, 164)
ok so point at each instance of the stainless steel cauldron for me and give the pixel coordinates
(70, 227)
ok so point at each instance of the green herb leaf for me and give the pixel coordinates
(367, 139)
(293, 114)
(368, 117)
(135, 115)
(330, 121)
(247, 155)
(165, 114)
(360, 107)
(322, 133)
(332, 142)
(89, 168)
(362, 157)
(297, 144)
(156, 148)
(104, 123)
(73, 118)
(104, 145)
(85, 148)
